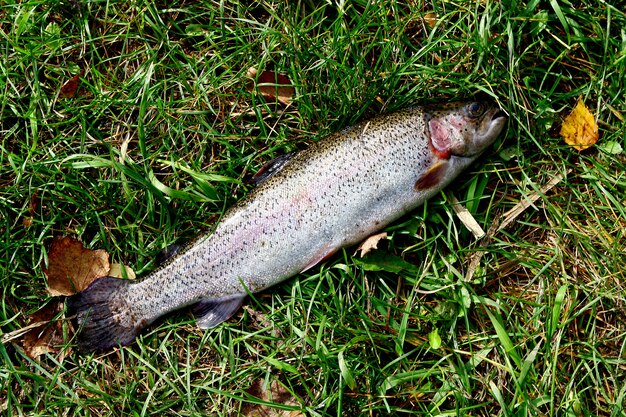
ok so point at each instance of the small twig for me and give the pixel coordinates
(465, 216)
(529, 200)
(8, 337)
(475, 257)
(507, 218)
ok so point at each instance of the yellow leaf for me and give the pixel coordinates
(121, 271)
(579, 128)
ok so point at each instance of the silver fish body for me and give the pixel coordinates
(334, 194)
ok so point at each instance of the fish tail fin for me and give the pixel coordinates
(103, 320)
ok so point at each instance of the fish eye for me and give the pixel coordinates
(475, 109)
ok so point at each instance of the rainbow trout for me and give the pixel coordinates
(307, 206)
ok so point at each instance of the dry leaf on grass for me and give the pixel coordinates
(121, 271)
(72, 267)
(43, 334)
(272, 85)
(276, 394)
(32, 208)
(70, 87)
(430, 19)
(48, 337)
(579, 128)
(370, 243)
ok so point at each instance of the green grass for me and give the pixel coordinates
(163, 134)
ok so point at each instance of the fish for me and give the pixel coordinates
(306, 206)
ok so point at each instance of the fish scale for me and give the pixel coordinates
(334, 194)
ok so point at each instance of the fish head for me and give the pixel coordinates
(463, 129)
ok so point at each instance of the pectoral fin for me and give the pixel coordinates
(211, 312)
(432, 177)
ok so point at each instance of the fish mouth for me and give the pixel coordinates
(494, 126)
(492, 123)
(499, 113)
(495, 123)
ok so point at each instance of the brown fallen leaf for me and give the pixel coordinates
(46, 334)
(370, 243)
(272, 85)
(70, 87)
(276, 394)
(33, 204)
(579, 128)
(72, 267)
(430, 19)
(32, 207)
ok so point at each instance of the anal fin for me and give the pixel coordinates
(323, 255)
(211, 312)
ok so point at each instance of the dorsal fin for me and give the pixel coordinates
(271, 168)
(165, 255)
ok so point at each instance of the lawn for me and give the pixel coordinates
(132, 125)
